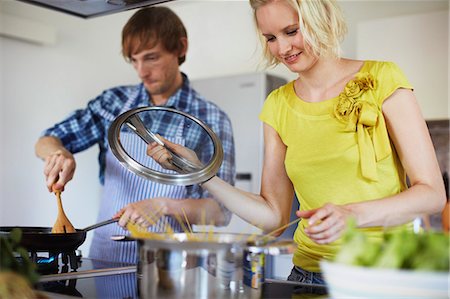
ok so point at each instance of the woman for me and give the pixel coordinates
(342, 136)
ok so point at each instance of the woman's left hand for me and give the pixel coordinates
(326, 224)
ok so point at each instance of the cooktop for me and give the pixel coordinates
(108, 280)
(92, 279)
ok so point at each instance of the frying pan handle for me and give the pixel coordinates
(109, 221)
(122, 238)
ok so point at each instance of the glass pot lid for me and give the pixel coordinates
(131, 131)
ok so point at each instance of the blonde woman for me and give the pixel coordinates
(342, 137)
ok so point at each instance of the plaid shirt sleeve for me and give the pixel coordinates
(87, 127)
(79, 131)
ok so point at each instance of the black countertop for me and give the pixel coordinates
(125, 286)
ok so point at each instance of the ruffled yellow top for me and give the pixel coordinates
(338, 150)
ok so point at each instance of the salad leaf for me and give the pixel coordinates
(402, 249)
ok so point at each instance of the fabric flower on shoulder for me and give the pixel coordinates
(367, 82)
(349, 105)
(361, 115)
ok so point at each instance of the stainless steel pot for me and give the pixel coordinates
(202, 265)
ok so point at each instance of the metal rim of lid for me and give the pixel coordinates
(165, 178)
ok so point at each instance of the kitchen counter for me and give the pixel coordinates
(96, 280)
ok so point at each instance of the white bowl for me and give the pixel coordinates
(346, 281)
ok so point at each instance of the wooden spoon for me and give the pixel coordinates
(62, 224)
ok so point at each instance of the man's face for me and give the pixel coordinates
(158, 70)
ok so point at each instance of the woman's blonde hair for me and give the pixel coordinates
(322, 25)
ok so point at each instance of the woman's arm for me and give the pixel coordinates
(271, 209)
(410, 136)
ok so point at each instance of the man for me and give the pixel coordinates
(155, 42)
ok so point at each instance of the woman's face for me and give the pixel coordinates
(279, 24)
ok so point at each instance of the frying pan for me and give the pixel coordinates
(42, 239)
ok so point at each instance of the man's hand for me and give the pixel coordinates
(144, 213)
(59, 169)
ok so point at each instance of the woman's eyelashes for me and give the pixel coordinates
(292, 32)
(272, 38)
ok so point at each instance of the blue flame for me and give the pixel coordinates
(46, 261)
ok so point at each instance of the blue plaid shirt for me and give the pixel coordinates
(87, 127)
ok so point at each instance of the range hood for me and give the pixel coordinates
(92, 8)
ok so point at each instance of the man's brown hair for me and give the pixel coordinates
(151, 25)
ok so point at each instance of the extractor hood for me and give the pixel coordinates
(92, 8)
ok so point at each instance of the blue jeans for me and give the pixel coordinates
(300, 275)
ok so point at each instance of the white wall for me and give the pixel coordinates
(419, 45)
(40, 84)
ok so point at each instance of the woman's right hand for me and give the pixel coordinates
(59, 169)
(164, 158)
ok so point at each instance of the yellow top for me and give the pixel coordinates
(338, 150)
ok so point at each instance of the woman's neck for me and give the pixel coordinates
(326, 79)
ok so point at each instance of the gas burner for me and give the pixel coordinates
(48, 262)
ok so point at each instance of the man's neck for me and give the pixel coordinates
(160, 99)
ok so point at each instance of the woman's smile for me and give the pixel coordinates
(291, 59)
